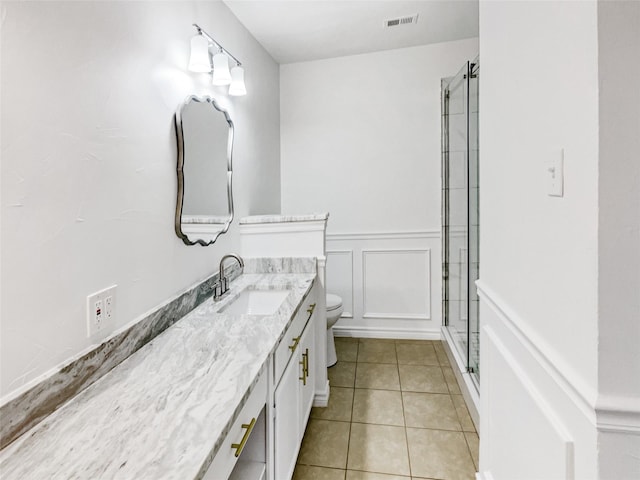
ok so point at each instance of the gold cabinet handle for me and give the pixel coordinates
(245, 437)
(305, 367)
(304, 374)
(296, 341)
(311, 308)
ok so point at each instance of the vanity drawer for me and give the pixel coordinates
(289, 343)
(248, 424)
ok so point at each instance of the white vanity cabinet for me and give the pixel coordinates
(295, 389)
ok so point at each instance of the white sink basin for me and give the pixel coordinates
(256, 302)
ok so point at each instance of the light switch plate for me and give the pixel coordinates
(555, 175)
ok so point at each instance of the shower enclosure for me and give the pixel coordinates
(460, 217)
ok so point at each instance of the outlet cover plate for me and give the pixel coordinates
(101, 311)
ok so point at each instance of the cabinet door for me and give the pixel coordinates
(286, 423)
(307, 386)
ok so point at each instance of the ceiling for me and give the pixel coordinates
(303, 30)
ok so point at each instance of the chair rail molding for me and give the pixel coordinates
(431, 233)
(582, 395)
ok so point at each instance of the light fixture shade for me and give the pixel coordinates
(237, 87)
(199, 59)
(221, 75)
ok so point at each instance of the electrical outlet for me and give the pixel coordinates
(101, 311)
(108, 308)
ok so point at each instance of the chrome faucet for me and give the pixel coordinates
(222, 285)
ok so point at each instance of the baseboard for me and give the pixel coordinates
(394, 333)
(321, 399)
(484, 476)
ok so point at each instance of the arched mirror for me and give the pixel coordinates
(205, 145)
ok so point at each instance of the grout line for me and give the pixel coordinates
(353, 400)
(470, 452)
(404, 418)
(386, 474)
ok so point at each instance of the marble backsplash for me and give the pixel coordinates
(280, 265)
(28, 408)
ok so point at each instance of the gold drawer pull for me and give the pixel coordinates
(245, 437)
(304, 374)
(305, 367)
(311, 308)
(296, 341)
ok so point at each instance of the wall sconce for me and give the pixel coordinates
(200, 61)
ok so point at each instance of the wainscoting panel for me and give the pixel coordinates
(383, 297)
(537, 419)
(524, 410)
(390, 283)
(340, 278)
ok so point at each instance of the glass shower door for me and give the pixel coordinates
(460, 214)
(454, 215)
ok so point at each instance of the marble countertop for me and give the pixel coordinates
(164, 411)
(310, 217)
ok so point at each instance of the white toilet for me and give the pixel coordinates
(334, 310)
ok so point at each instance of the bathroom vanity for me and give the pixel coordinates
(217, 395)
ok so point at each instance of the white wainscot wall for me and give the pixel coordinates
(390, 283)
(536, 422)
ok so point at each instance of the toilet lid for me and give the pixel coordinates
(333, 301)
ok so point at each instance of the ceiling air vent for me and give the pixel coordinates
(395, 22)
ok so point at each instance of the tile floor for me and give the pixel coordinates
(395, 412)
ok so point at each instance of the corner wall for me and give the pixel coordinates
(618, 404)
(361, 139)
(560, 278)
(89, 91)
(539, 254)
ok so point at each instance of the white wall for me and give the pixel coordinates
(89, 91)
(545, 336)
(360, 137)
(619, 241)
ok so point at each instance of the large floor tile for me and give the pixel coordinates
(342, 374)
(419, 378)
(376, 351)
(430, 410)
(339, 408)
(378, 376)
(474, 447)
(306, 472)
(416, 354)
(378, 448)
(346, 351)
(325, 444)
(383, 407)
(452, 383)
(463, 413)
(439, 454)
(356, 475)
(442, 355)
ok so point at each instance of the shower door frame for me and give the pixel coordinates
(469, 70)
